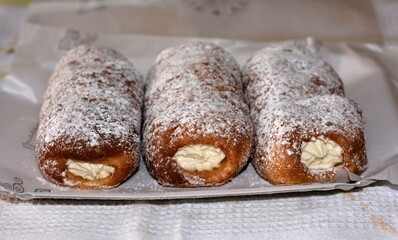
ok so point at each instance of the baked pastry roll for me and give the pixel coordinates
(90, 120)
(288, 72)
(309, 140)
(305, 129)
(197, 129)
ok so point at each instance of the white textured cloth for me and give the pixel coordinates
(369, 213)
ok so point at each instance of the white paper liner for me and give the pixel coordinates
(367, 70)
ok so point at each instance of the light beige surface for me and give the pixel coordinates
(337, 20)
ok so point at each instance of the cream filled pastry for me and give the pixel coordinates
(90, 120)
(197, 129)
(306, 130)
(309, 140)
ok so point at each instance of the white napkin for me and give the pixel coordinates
(368, 213)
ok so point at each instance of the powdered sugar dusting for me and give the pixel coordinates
(307, 117)
(287, 72)
(93, 99)
(294, 95)
(194, 90)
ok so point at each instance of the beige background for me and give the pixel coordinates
(337, 20)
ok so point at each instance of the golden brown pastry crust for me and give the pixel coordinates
(194, 96)
(91, 112)
(294, 96)
(289, 124)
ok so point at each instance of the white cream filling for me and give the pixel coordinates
(199, 157)
(89, 171)
(321, 153)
